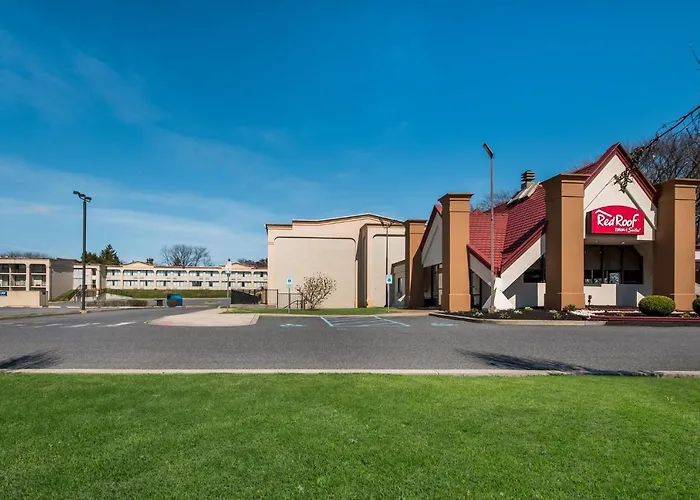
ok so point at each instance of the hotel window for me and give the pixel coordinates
(536, 272)
(615, 265)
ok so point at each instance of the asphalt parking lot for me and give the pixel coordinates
(124, 339)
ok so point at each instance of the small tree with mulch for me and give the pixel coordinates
(316, 289)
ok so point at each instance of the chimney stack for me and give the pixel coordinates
(527, 178)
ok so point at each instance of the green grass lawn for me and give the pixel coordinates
(348, 436)
(321, 312)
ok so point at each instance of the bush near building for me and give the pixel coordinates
(696, 306)
(657, 305)
(161, 294)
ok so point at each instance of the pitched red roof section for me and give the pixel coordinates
(520, 224)
(517, 226)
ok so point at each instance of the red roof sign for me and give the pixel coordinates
(617, 219)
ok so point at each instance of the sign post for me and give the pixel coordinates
(389, 282)
(228, 279)
(289, 294)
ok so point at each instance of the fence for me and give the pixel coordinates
(268, 297)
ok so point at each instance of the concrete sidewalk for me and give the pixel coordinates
(209, 318)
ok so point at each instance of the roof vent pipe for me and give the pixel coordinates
(527, 178)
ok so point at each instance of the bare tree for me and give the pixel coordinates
(24, 255)
(185, 256)
(317, 288)
(258, 264)
(499, 197)
(671, 156)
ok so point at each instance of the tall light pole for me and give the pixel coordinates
(86, 199)
(493, 273)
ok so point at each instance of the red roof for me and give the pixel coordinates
(517, 227)
(520, 224)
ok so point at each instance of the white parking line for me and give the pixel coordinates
(81, 325)
(392, 321)
(361, 322)
(50, 324)
(118, 324)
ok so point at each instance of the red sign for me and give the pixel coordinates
(616, 219)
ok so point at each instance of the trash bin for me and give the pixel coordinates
(159, 302)
(174, 299)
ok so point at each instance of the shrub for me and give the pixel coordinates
(570, 308)
(696, 306)
(504, 315)
(527, 308)
(316, 289)
(556, 314)
(657, 305)
(120, 303)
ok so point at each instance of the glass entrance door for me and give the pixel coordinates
(475, 284)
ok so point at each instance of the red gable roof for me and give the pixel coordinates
(520, 224)
(517, 227)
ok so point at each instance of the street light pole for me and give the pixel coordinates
(86, 199)
(493, 273)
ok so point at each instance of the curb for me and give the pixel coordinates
(476, 372)
(38, 315)
(382, 315)
(520, 322)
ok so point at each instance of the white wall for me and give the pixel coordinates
(521, 294)
(398, 276)
(603, 191)
(524, 262)
(432, 250)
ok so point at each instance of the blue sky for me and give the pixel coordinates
(198, 122)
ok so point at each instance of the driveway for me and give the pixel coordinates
(124, 339)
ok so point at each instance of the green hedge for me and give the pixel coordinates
(161, 294)
(657, 305)
(696, 306)
(120, 303)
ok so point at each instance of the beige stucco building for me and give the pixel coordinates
(33, 282)
(141, 275)
(356, 251)
(601, 236)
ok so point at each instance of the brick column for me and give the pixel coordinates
(564, 247)
(674, 243)
(456, 295)
(415, 229)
